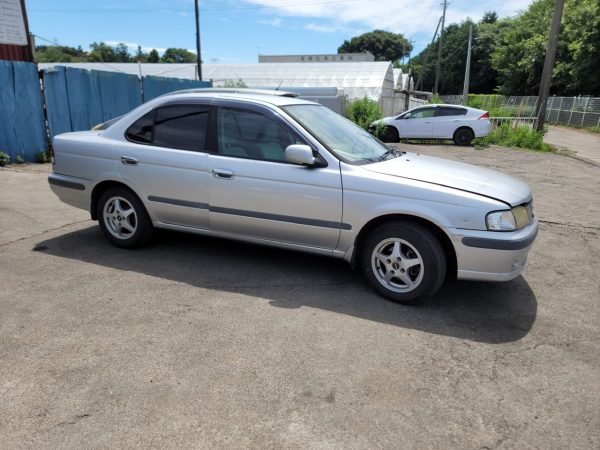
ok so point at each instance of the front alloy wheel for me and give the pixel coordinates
(404, 261)
(397, 265)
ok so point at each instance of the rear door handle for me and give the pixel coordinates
(129, 160)
(223, 173)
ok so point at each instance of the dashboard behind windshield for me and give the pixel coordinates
(343, 138)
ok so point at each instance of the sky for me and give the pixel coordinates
(237, 31)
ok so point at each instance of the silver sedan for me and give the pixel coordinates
(285, 172)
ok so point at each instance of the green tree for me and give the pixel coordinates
(520, 50)
(153, 56)
(178, 55)
(140, 56)
(102, 52)
(122, 52)
(384, 45)
(56, 53)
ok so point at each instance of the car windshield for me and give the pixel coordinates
(347, 141)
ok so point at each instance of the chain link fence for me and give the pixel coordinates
(583, 112)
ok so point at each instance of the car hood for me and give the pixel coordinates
(456, 175)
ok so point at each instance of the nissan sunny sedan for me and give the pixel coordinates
(290, 173)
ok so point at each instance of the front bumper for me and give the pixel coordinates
(492, 255)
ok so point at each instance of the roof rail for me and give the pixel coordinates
(234, 91)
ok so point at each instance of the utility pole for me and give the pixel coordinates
(439, 55)
(420, 79)
(198, 54)
(548, 65)
(467, 68)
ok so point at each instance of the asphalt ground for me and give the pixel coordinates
(195, 342)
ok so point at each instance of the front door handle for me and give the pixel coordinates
(129, 160)
(225, 174)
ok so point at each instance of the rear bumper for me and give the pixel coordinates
(71, 190)
(482, 127)
(490, 255)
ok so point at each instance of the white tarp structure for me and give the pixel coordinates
(374, 80)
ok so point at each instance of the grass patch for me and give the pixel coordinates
(520, 136)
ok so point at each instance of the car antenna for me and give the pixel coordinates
(279, 85)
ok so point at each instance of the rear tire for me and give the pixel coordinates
(403, 261)
(123, 218)
(463, 136)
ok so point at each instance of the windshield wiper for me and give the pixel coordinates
(391, 151)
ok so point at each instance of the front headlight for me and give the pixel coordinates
(514, 219)
(501, 221)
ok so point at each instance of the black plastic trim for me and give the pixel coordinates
(176, 202)
(282, 218)
(254, 214)
(67, 184)
(499, 244)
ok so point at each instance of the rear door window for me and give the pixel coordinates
(445, 111)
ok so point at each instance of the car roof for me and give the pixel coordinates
(273, 97)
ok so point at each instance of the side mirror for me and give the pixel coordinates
(300, 154)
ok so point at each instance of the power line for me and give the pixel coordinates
(179, 11)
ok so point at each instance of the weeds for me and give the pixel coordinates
(436, 100)
(4, 159)
(363, 112)
(520, 136)
(42, 157)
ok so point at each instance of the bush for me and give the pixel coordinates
(363, 112)
(520, 136)
(19, 159)
(234, 84)
(42, 157)
(436, 100)
(4, 159)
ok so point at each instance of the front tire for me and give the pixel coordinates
(123, 218)
(403, 261)
(390, 135)
(463, 136)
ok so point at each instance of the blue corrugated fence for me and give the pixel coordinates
(76, 99)
(156, 86)
(22, 128)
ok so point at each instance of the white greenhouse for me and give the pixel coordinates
(374, 80)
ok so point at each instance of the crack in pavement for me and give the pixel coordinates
(569, 225)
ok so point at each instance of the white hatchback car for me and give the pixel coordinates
(459, 123)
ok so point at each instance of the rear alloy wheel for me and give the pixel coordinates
(123, 218)
(403, 261)
(463, 136)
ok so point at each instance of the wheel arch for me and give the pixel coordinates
(102, 187)
(464, 127)
(438, 232)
